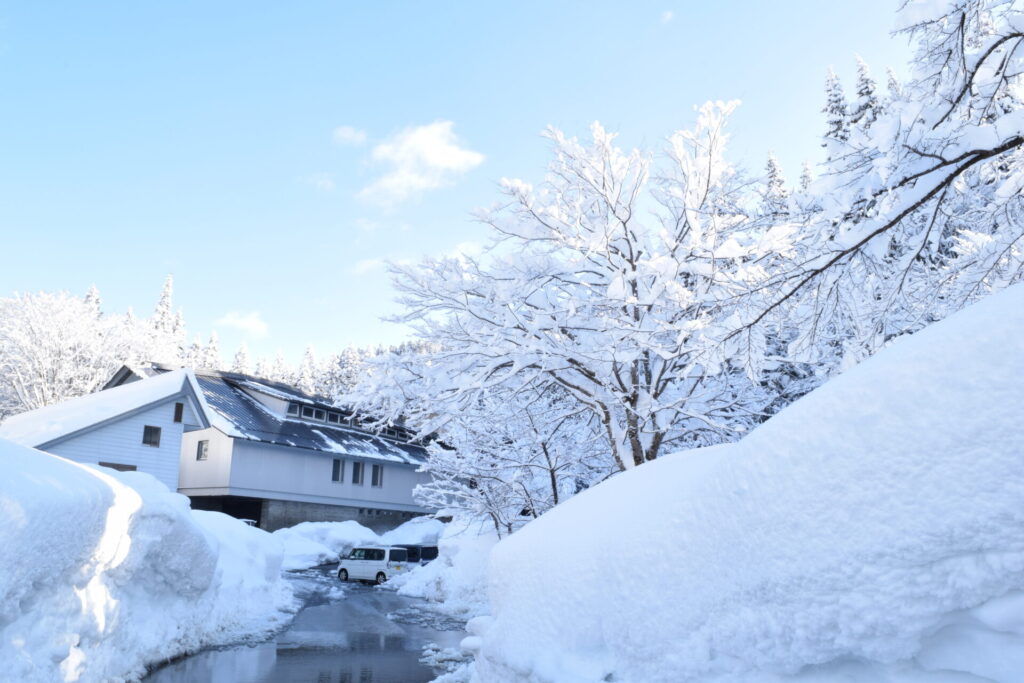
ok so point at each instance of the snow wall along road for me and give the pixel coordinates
(878, 521)
(103, 573)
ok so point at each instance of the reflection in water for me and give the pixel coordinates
(367, 637)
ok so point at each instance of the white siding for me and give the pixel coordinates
(268, 471)
(120, 441)
(198, 477)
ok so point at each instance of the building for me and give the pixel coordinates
(138, 426)
(278, 456)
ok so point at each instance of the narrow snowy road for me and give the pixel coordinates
(367, 636)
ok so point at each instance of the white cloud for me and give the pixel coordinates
(667, 16)
(321, 181)
(347, 135)
(251, 323)
(422, 158)
(367, 265)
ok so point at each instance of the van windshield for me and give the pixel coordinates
(399, 555)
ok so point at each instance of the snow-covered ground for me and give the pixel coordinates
(312, 544)
(457, 580)
(872, 531)
(103, 573)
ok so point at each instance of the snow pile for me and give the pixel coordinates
(873, 530)
(104, 573)
(457, 579)
(311, 544)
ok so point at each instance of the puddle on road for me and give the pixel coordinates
(368, 636)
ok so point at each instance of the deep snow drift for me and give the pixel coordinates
(457, 579)
(103, 573)
(311, 544)
(873, 530)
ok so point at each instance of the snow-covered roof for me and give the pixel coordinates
(237, 414)
(38, 427)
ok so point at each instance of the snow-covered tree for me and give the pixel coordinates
(836, 112)
(626, 316)
(866, 108)
(210, 358)
(167, 338)
(93, 301)
(775, 196)
(923, 213)
(241, 362)
(307, 377)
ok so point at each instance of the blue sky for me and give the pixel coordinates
(272, 155)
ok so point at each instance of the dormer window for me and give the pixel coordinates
(293, 409)
(333, 418)
(319, 414)
(307, 411)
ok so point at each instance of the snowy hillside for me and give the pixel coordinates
(873, 530)
(103, 573)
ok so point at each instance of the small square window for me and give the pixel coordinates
(203, 449)
(307, 411)
(338, 470)
(319, 414)
(179, 411)
(293, 408)
(151, 436)
(333, 418)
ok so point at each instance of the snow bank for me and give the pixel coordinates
(311, 544)
(457, 579)
(104, 573)
(873, 530)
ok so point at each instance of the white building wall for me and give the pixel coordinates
(210, 476)
(120, 442)
(267, 471)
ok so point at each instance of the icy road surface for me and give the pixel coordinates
(346, 632)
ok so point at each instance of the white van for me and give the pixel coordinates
(373, 564)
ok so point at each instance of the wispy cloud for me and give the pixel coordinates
(667, 16)
(251, 323)
(422, 158)
(347, 135)
(321, 181)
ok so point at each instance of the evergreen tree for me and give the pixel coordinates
(307, 377)
(775, 197)
(211, 359)
(93, 301)
(866, 109)
(241, 362)
(280, 371)
(835, 111)
(805, 177)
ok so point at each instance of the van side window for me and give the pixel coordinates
(399, 555)
(357, 554)
(378, 555)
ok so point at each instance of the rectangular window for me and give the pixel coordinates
(319, 414)
(307, 411)
(333, 418)
(118, 466)
(202, 449)
(293, 408)
(151, 436)
(179, 411)
(377, 475)
(357, 473)
(338, 471)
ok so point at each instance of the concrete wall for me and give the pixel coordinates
(120, 442)
(277, 514)
(197, 477)
(262, 470)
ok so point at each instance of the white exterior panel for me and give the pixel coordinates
(120, 442)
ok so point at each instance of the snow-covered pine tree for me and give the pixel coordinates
(241, 362)
(865, 109)
(93, 301)
(306, 379)
(211, 359)
(775, 196)
(836, 113)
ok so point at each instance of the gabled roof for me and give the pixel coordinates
(43, 426)
(233, 411)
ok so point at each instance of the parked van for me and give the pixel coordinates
(373, 564)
